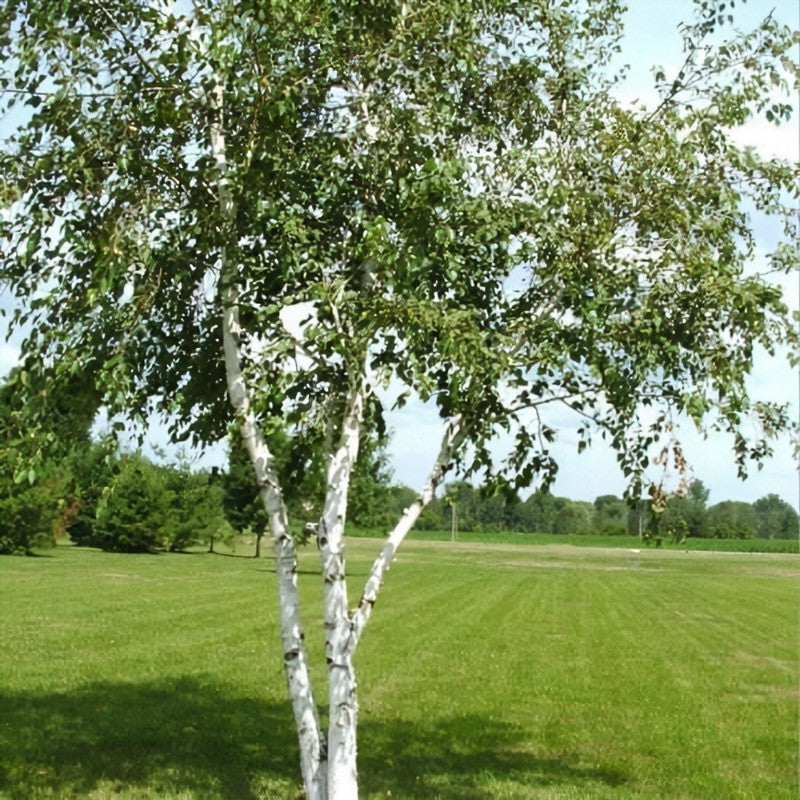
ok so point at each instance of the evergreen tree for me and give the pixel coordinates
(370, 504)
(135, 514)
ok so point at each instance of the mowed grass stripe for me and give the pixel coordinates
(689, 696)
(486, 672)
(630, 645)
(136, 615)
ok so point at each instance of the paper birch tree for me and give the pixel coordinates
(275, 214)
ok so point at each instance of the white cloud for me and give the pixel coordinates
(770, 140)
(9, 357)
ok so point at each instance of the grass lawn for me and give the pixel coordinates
(595, 540)
(488, 671)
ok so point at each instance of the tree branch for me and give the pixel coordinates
(454, 436)
(126, 39)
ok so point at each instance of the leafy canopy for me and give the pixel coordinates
(449, 194)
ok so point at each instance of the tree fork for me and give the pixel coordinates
(312, 751)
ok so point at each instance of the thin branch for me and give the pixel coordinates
(126, 39)
(87, 95)
(454, 435)
(554, 398)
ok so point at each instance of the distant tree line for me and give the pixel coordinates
(63, 482)
(115, 501)
(124, 502)
(475, 509)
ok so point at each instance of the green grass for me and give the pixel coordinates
(488, 671)
(597, 540)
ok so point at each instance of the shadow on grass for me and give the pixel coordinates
(460, 758)
(162, 738)
(173, 737)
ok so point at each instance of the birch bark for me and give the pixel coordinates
(312, 750)
(452, 439)
(328, 768)
(343, 709)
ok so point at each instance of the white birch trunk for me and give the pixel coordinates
(312, 756)
(343, 709)
(453, 437)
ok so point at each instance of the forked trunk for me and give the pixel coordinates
(312, 750)
(328, 766)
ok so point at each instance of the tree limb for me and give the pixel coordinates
(454, 436)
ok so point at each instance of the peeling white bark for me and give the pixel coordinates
(312, 753)
(453, 437)
(343, 709)
(312, 758)
(328, 767)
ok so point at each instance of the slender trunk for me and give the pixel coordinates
(343, 632)
(342, 728)
(343, 709)
(312, 757)
(453, 437)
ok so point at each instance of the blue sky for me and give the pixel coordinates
(651, 38)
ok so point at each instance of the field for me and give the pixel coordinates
(586, 540)
(488, 671)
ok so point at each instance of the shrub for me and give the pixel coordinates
(134, 515)
(28, 515)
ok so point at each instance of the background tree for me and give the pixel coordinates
(573, 517)
(610, 515)
(91, 471)
(464, 500)
(30, 514)
(134, 515)
(686, 512)
(196, 513)
(186, 184)
(776, 519)
(35, 514)
(371, 499)
(371, 503)
(400, 498)
(732, 519)
(133, 505)
(539, 512)
(240, 498)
